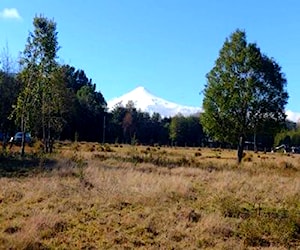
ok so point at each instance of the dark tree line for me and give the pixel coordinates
(129, 125)
(84, 120)
(86, 117)
(290, 136)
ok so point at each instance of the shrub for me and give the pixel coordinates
(247, 157)
(261, 231)
(75, 146)
(286, 165)
(38, 146)
(198, 154)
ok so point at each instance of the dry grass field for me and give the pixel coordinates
(92, 196)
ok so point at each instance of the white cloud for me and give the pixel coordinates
(292, 116)
(10, 13)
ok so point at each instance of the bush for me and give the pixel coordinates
(247, 157)
(263, 226)
(198, 154)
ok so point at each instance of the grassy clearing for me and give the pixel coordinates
(92, 196)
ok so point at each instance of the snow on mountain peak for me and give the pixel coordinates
(140, 90)
(147, 102)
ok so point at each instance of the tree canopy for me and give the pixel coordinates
(244, 90)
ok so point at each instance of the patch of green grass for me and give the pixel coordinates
(14, 165)
(263, 226)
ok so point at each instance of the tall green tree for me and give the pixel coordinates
(90, 112)
(244, 90)
(177, 128)
(115, 124)
(186, 131)
(86, 107)
(40, 101)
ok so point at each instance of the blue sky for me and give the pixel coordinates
(166, 46)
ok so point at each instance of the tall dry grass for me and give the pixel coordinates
(111, 197)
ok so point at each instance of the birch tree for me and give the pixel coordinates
(40, 103)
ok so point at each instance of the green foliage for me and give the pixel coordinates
(186, 131)
(9, 90)
(40, 102)
(14, 166)
(90, 100)
(127, 122)
(55, 101)
(176, 128)
(244, 91)
(85, 116)
(23, 111)
(288, 137)
(261, 225)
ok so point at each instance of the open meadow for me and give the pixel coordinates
(93, 196)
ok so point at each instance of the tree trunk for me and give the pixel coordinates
(240, 149)
(44, 123)
(51, 146)
(23, 145)
(48, 148)
(4, 141)
(44, 134)
(254, 143)
(23, 136)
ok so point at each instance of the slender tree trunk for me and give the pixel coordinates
(51, 142)
(49, 136)
(23, 144)
(240, 149)
(44, 132)
(23, 136)
(43, 123)
(254, 143)
(4, 141)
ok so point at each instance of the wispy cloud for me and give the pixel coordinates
(10, 13)
(292, 116)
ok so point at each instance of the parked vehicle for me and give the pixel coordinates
(17, 138)
(295, 150)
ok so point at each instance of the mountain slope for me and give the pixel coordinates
(147, 102)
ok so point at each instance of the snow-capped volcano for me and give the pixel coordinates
(145, 101)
